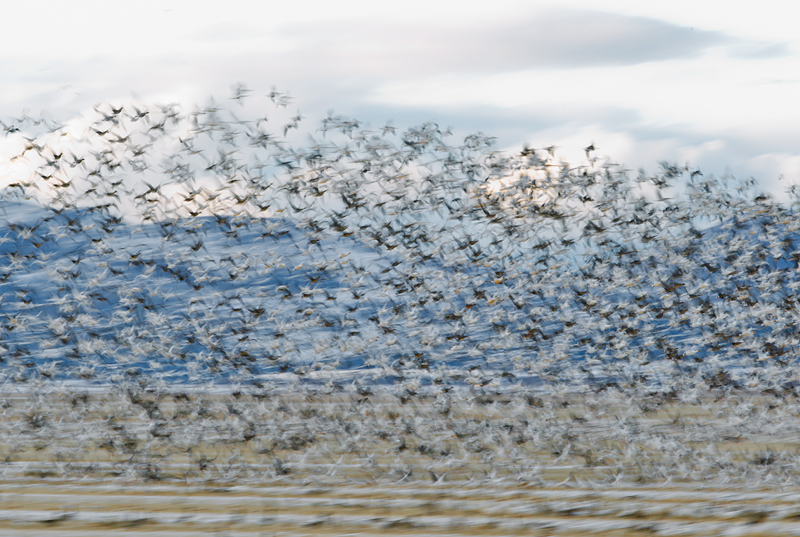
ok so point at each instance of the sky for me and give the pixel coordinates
(705, 83)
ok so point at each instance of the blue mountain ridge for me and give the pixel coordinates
(87, 298)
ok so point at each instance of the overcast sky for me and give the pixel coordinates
(711, 84)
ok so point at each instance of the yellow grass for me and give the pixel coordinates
(348, 464)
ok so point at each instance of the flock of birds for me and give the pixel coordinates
(154, 248)
(193, 247)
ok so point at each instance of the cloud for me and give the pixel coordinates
(531, 76)
(549, 39)
(576, 39)
(756, 50)
(621, 134)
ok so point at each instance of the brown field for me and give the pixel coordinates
(346, 464)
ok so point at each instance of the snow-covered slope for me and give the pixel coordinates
(368, 258)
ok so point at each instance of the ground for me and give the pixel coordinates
(368, 464)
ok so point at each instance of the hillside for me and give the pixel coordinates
(142, 252)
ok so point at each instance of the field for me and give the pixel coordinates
(368, 464)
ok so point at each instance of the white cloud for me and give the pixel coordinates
(648, 80)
